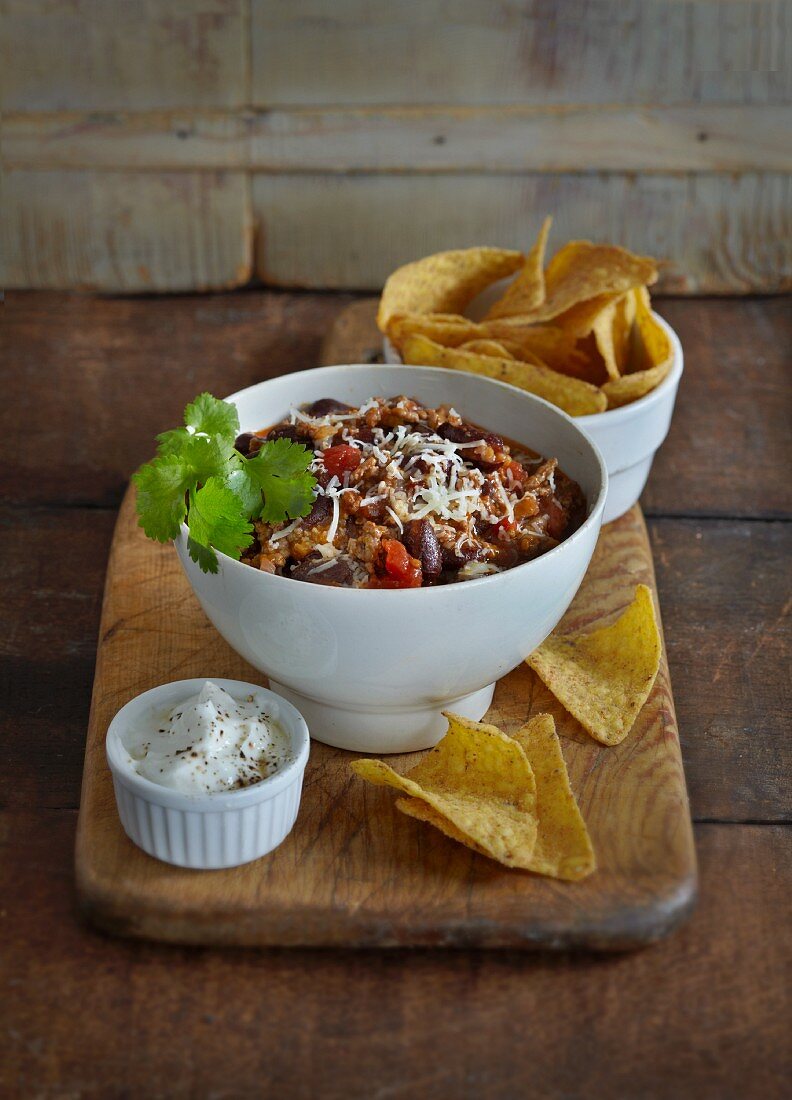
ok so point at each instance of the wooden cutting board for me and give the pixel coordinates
(355, 871)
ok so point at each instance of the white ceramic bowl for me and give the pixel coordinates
(628, 437)
(372, 669)
(214, 830)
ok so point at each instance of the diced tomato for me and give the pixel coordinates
(518, 472)
(402, 570)
(556, 519)
(341, 460)
(504, 524)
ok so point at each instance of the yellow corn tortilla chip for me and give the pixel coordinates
(570, 394)
(486, 347)
(611, 330)
(588, 364)
(604, 678)
(527, 291)
(444, 328)
(649, 353)
(651, 345)
(480, 781)
(579, 319)
(581, 271)
(622, 329)
(563, 846)
(628, 388)
(551, 345)
(444, 282)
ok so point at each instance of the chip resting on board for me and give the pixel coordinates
(604, 677)
(480, 781)
(563, 846)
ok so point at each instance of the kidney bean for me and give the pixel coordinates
(248, 444)
(321, 511)
(326, 405)
(421, 540)
(458, 434)
(471, 435)
(339, 573)
(374, 510)
(289, 431)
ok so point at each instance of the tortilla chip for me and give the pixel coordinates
(563, 846)
(570, 394)
(622, 329)
(630, 387)
(551, 345)
(447, 329)
(612, 331)
(580, 319)
(649, 355)
(651, 345)
(480, 781)
(486, 347)
(527, 291)
(444, 282)
(604, 678)
(422, 811)
(581, 271)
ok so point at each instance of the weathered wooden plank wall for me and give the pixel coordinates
(181, 144)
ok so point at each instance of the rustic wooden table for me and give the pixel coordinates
(86, 383)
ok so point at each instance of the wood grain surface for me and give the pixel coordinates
(351, 873)
(704, 1012)
(355, 871)
(359, 138)
(714, 233)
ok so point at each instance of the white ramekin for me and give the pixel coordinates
(206, 832)
(628, 437)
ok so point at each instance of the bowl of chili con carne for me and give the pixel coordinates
(453, 521)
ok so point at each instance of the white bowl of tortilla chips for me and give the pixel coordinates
(579, 332)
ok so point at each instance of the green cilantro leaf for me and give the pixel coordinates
(161, 487)
(280, 472)
(208, 457)
(172, 442)
(213, 417)
(216, 521)
(198, 463)
(246, 487)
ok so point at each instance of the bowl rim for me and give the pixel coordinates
(623, 412)
(217, 801)
(329, 591)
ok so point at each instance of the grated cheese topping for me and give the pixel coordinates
(421, 475)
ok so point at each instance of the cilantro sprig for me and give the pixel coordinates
(199, 476)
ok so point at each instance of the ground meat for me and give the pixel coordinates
(442, 494)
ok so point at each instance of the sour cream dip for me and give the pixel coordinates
(209, 743)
